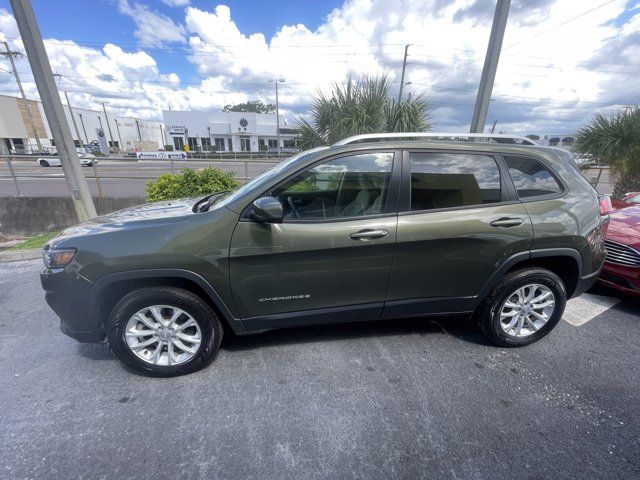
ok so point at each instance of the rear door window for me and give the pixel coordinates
(531, 177)
(449, 180)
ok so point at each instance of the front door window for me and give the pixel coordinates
(350, 186)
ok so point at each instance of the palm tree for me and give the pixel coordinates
(362, 106)
(615, 141)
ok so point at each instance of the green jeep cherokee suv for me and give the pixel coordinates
(366, 229)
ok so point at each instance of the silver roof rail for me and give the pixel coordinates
(455, 137)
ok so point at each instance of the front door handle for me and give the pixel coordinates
(368, 234)
(507, 222)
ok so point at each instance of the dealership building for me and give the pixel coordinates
(121, 133)
(226, 131)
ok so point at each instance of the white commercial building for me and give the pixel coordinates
(226, 131)
(121, 133)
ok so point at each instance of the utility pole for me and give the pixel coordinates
(41, 68)
(404, 66)
(108, 125)
(281, 80)
(490, 67)
(11, 54)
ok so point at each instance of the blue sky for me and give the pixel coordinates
(99, 21)
(562, 60)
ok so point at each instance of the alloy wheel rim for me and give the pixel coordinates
(527, 310)
(163, 335)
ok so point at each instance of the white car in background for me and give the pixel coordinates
(86, 160)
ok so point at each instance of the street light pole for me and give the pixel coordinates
(404, 66)
(276, 80)
(11, 55)
(83, 128)
(108, 124)
(52, 105)
(490, 67)
(118, 131)
(73, 118)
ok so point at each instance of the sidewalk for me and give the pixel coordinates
(16, 255)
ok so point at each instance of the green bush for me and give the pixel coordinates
(190, 183)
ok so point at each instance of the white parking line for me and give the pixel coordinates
(586, 307)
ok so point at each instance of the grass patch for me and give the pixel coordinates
(34, 242)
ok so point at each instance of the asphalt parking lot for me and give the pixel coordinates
(391, 399)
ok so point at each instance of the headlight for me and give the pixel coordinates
(58, 258)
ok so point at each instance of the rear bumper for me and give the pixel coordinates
(68, 293)
(585, 283)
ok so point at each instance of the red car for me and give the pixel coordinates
(622, 265)
(628, 200)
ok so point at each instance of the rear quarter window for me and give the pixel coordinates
(531, 177)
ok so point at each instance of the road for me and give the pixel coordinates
(127, 178)
(389, 399)
(119, 178)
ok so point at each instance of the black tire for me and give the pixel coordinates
(488, 313)
(44, 163)
(210, 328)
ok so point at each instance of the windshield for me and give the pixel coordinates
(264, 177)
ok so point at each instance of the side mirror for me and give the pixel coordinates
(267, 210)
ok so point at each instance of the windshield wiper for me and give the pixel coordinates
(197, 206)
(205, 203)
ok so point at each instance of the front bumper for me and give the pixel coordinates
(621, 277)
(68, 294)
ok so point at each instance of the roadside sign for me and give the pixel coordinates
(161, 155)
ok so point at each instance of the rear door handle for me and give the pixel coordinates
(507, 222)
(368, 234)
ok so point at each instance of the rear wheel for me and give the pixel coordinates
(164, 332)
(524, 307)
(44, 163)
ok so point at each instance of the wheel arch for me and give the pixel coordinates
(564, 262)
(109, 289)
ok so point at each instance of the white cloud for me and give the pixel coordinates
(176, 3)
(8, 27)
(152, 28)
(554, 73)
(545, 56)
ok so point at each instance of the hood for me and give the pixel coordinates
(139, 216)
(625, 227)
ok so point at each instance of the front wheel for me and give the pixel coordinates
(164, 332)
(524, 307)
(44, 163)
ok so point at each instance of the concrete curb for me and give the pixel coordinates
(16, 255)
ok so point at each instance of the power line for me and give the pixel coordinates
(232, 49)
(560, 24)
(513, 96)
